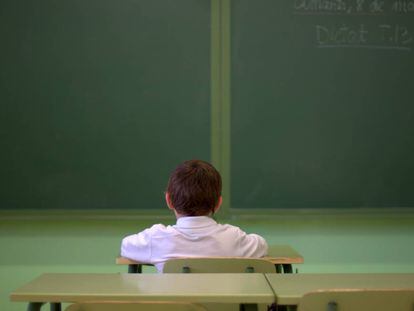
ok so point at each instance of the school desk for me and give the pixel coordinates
(242, 288)
(290, 288)
(282, 256)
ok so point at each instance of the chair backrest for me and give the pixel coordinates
(358, 300)
(219, 265)
(134, 306)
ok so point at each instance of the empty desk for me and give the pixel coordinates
(243, 288)
(290, 288)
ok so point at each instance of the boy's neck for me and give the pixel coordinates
(177, 215)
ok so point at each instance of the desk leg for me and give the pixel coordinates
(287, 268)
(248, 307)
(285, 308)
(284, 268)
(135, 268)
(35, 306)
(278, 268)
(55, 306)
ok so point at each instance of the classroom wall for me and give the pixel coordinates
(329, 243)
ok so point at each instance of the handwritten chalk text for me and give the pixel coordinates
(383, 36)
(353, 7)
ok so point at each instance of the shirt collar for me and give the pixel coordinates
(195, 222)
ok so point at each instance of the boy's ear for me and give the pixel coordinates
(168, 200)
(220, 200)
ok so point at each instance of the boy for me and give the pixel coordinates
(194, 195)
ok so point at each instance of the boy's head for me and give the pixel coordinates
(194, 189)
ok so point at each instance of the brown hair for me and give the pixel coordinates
(194, 188)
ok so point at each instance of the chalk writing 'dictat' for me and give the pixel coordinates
(383, 36)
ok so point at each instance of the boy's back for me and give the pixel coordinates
(194, 194)
(198, 236)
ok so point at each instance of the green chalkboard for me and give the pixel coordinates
(322, 104)
(100, 100)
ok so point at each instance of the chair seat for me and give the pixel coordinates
(358, 300)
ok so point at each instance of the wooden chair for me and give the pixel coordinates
(358, 300)
(134, 306)
(219, 265)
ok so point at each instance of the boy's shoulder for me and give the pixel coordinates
(229, 227)
(156, 227)
(159, 228)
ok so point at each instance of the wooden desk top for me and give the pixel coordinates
(289, 288)
(278, 254)
(224, 288)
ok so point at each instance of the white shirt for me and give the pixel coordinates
(199, 236)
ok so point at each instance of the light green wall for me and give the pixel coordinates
(336, 243)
